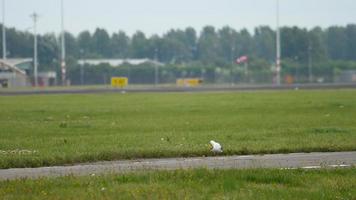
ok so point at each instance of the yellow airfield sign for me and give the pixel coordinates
(190, 82)
(119, 82)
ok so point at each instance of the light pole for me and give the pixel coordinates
(35, 63)
(63, 50)
(296, 78)
(82, 67)
(310, 64)
(232, 65)
(278, 48)
(3, 32)
(156, 67)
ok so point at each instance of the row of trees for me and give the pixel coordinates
(211, 46)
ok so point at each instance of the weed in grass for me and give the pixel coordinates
(63, 125)
(330, 130)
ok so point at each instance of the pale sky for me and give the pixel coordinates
(158, 16)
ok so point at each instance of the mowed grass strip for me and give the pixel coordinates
(191, 184)
(64, 129)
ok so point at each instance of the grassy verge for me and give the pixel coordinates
(63, 129)
(194, 184)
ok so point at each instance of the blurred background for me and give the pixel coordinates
(159, 42)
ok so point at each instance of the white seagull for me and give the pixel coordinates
(216, 147)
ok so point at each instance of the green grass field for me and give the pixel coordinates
(65, 129)
(194, 184)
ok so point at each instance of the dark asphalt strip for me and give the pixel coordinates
(39, 91)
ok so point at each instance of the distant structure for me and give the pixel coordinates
(47, 79)
(118, 62)
(15, 72)
(346, 76)
(278, 47)
(4, 51)
(63, 48)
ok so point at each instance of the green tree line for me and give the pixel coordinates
(211, 45)
(329, 48)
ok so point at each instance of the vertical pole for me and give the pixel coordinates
(129, 73)
(63, 51)
(278, 48)
(156, 67)
(296, 79)
(82, 67)
(246, 72)
(35, 63)
(82, 74)
(232, 65)
(4, 51)
(310, 66)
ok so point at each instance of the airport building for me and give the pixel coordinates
(15, 72)
(118, 62)
(347, 76)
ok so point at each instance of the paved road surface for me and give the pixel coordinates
(288, 161)
(135, 89)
